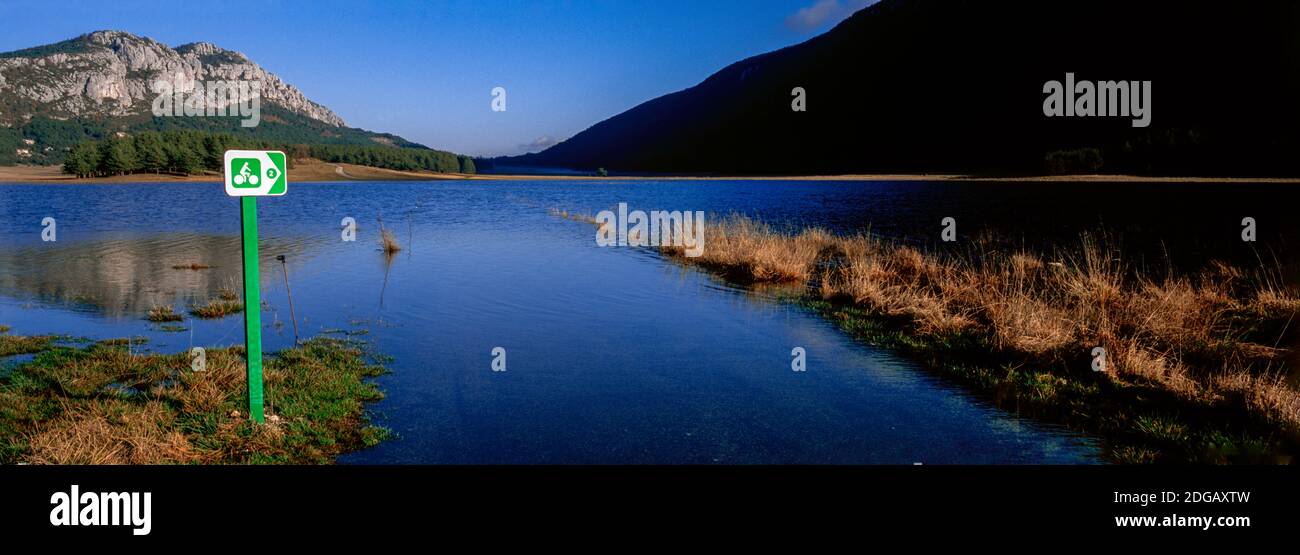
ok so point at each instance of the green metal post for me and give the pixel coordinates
(252, 307)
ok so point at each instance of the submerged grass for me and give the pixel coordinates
(572, 216)
(11, 345)
(163, 313)
(1195, 371)
(103, 404)
(388, 242)
(387, 239)
(217, 308)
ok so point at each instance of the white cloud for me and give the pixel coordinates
(824, 13)
(539, 144)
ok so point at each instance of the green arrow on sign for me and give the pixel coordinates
(251, 174)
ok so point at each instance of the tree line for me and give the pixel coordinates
(194, 152)
(404, 159)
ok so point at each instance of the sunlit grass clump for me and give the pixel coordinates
(104, 404)
(163, 313)
(217, 308)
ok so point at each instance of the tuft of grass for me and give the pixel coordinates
(388, 242)
(163, 313)
(217, 308)
(1202, 348)
(104, 405)
(747, 251)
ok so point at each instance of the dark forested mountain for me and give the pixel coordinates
(957, 86)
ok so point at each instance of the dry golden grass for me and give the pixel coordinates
(752, 251)
(111, 432)
(1273, 302)
(1268, 395)
(1023, 323)
(199, 392)
(1199, 336)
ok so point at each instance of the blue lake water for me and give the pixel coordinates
(614, 355)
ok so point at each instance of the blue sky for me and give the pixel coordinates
(425, 70)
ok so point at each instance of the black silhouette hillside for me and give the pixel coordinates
(956, 86)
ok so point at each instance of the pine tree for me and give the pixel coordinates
(150, 152)
(83, 160)
(184, 158)
(118, 157)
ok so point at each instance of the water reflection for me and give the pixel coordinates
(126, 275)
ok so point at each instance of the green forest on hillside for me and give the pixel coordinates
(193, 152)
(47, 141)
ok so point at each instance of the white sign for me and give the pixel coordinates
(255, 173)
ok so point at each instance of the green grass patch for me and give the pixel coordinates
(105, 404)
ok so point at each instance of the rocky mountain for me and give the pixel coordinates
(102, 84)
(958, 86)
(109, 73)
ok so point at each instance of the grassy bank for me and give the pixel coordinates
(108, 404)
(1194, 363)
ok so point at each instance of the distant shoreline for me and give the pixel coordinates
(311, 171)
